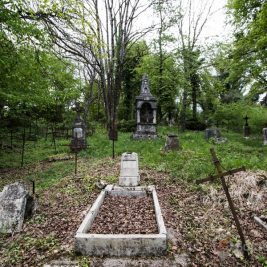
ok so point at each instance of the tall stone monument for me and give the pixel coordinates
(146, 113)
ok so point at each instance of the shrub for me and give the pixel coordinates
(195, 125)
(126, 126)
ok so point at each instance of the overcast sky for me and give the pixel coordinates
(214, 30)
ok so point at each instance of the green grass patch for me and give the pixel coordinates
(192, 162)
(48, 177)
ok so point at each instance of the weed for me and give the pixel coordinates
(263, 261)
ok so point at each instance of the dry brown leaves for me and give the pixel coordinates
(125, 215)
(199, 223)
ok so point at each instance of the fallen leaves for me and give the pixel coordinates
(125, 215)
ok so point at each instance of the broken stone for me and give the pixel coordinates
(212, 132)
(15, 205)
(101, 184)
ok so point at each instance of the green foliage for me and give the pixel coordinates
(126, 126)
(263, 261)
(231, 116)
(170, 79)
(14, 253)
(132, 81)
(249, 54)
(34, 152)
(190, 163)
(49, 177)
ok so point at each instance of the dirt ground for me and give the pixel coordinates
(200, 227)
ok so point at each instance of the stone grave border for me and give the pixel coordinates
(121, 244)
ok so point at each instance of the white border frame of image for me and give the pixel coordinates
(121, 244)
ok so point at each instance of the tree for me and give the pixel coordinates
(32, 77)
(131, 84)
(97, 35)
(190, 26)
(167, 17)
(250, 53)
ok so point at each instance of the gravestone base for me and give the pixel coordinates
(145, 131)
(143, 136)
(90, 244)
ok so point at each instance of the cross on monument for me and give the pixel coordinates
(246, 119)
(221, 175)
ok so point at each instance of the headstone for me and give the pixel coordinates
(212, 132)
(78, 141)
(15, 205)
(264, 131)
(129, 174)
(172, 143)
(146, 113)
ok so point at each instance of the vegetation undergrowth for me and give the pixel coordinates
(190, 163)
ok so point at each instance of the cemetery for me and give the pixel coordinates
(133, 134)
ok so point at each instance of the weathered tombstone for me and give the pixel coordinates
(146, 113)
(172, 142)
(15, 205)
(246, 128)
(212, 132)
(264, 131)
(78, 141)
(129, 174)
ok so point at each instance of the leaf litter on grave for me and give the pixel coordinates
(198, 222)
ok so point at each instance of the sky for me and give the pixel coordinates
(214, 30)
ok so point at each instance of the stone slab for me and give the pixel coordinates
(212, 132)
(121, 244)
(129, 173)
(13, 200)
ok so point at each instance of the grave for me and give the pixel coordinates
(212, 132)
(215, 133)
(146, 113)
(16, 204)
(112, 238)
(78, 141)
(172, 143)
(129, 174)
(264, 131)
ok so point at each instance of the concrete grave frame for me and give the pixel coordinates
(121, 244)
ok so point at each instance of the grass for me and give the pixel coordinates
(192, 162)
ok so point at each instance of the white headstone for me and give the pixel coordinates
(129, 175)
